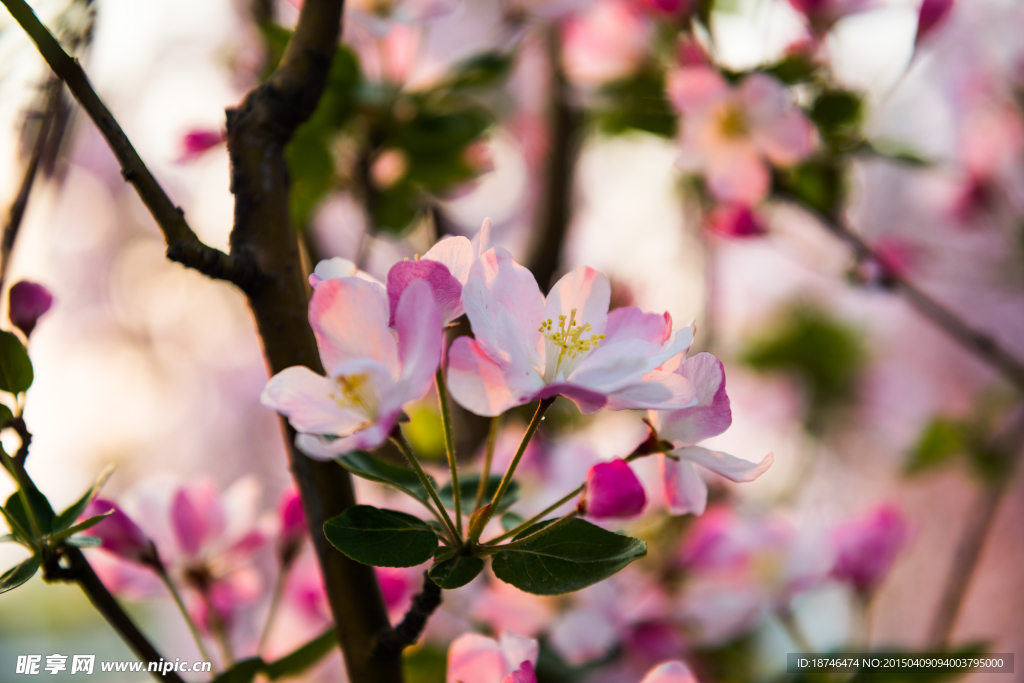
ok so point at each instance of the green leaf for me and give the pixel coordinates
(817, 183)
(793, 68)
(468, 487)
(480, 71)
(451, 570)
(637, 103)
(381, 538)
(242, 672)
(66, 518)
(19, 574)
(573, 556)
(15, 366)
(5, 415)
(83, 541)
(82, 526)
(307, 655)
(40, 507)
(18, 532)
(510, 520)
(835, 109)
(376, 469)
(938, 443)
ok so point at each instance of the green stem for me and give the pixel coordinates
(18, 473)
(491, 549)
(485, 471)
(449, 447)
(162, 573)
(275, 603)
(539, 516)
(399, 440)
(542, 408)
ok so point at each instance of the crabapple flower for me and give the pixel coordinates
(612, 491)
(372, 371)
(606, 41)
(866, 548)
(473, 658)
(527, 347)
(119, 535)
(445, 268)
(685, 490)
(670, 672)
(27, 304)
(730, 133)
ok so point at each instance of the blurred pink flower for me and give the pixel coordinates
(389, 166)
(612, 492)
(291, 526)
(473, 658)
(605, 42)
(931, 15)
(730, 133)
(866, 548)
(592, 356)
(685, 490)
(371, 375)
(119, 535)
(667, 6)
(736, 220)
(27, 303)
(670, 672)
(823, 14)
(197, 142)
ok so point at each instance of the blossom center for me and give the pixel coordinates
(732, 123)
(566, 345)
(355, 392)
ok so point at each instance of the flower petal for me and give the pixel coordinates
(481, 385)
(473, 658)
(736, 173)
(695, 88)
(372, 436)
(304, 397)
(670, 672)
(729, 466)
(420, 337)
(524, 674)
(586, 290)
(658, 390)
(447, 290)
(349, 317)
(711, 416)
(613, 491)
(518, 649)
(685, 490)
(786, 140)
(456, 254)
(587, 400)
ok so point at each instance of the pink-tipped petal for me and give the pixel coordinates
(117, 532)
(447, 289)
(712, 415)
(658, 390)
(418, 323)
(518, 649)
(670, 672)
(524, 674)
(613, 491)
(729, 466)
(685, 490)
(456, 254)
(189, 521)
(350, 319)
(473, 658)
(481, 385)
(584, 289)
(932, 14)
(305, 398)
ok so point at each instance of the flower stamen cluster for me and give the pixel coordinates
(568, 343)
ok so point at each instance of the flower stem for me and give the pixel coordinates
(162, 573)
(542, 408)
(485, 471)
(449, 446)
(399, 440)
(275, 603)
(491, 549)
(540, 515)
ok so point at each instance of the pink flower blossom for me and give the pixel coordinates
(731, 133)
(119, 535)
(527, 347)
(866, 548)
(389, 167)
(736, 220)
(823, 14)
(27, 304)
(670, 672)
(606, 41)
(685, 490)
(612, 491)
(931, 15)
(372, 372)
(197, 142)
(473, 658)
(667, 6)
(291, 526)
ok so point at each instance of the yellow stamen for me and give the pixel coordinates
(356, 392)
(569, 342)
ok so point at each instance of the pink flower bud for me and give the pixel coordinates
(932, 14)
(28, 302)
(292, 526)
(119, 535)
(735, 220)
(197, 141)
(612, 491)
(867, 547)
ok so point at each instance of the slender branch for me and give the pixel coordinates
(161, 571)
(485, 471)
(81, 572)
(973, 536)
(183, 244)
(565, 519)
(542, 407)
(411, 627)
(981, 344)
(275, 603)
(399, 440)
(539, 516)
(564, 127)
(449, 447)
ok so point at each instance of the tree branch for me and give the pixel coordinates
(411, 627)
(181, 240)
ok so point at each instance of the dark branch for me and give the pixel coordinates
(411, 627)
(168, 216)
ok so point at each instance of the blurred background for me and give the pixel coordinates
(551, 119)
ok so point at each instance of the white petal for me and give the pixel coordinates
(729, 466)
(685, 490)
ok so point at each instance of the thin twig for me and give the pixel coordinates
(449, 447)
(565, 519)
(399, 440)
(408, 631)
(485, 470)
(183, 245)
(539, 516)
(161, 571)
